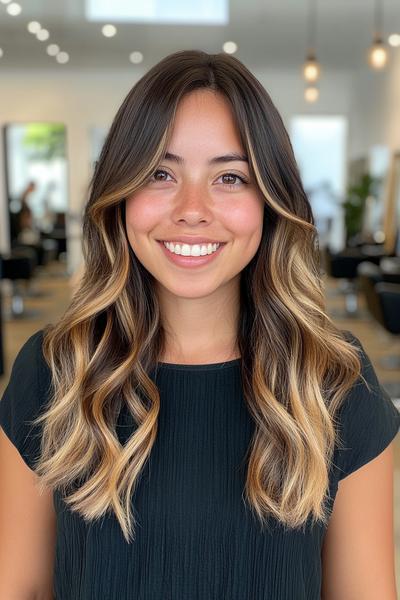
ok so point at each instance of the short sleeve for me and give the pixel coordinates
(24, 398)
(369, 420)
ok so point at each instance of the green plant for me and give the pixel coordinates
(45, 140)
(354, 206)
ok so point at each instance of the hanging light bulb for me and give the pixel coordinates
(311, 68)
(377, 53)
(311, 93)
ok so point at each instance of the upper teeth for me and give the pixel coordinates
(188, 250)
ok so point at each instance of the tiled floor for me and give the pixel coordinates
(57, 289)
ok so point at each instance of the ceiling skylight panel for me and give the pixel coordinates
(201, 12)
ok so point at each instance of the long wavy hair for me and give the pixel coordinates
(296, 365)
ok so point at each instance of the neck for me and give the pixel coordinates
(201, 329)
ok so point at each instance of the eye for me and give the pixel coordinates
(154, 178)
(233, 176)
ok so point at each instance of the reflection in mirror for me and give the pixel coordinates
(319, 144)
(36, 184)
(392, 208)
(379, 163)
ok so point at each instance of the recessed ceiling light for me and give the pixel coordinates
(230, 47)
(394, 40)
(52, 49)
(34, 26)
(1, 52)
(42, 35)
(5, 1)
(109, 30)
(136, 57)
(13, 9)
(62, 57)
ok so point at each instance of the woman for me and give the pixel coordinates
(195, 407)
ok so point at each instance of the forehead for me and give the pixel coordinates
(204, 120)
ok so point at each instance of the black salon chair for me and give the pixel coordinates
(19, 270)
(343, 266)
(40, 255)
(390, 267)
(369, 274)
(383, 303)
(54, 248)
(389, 296)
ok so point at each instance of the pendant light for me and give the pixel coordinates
(311, 93)
(311, 67)
(377, 53)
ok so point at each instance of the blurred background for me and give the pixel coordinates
(331, 68)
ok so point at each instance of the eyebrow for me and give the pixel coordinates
(233, 156)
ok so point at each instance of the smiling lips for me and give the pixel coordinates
(189, 250)
(187, 259)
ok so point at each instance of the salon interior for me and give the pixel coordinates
(331, 68)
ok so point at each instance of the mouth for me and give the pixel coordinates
(191, 261)
(192, 243)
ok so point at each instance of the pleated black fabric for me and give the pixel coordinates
(196, 538)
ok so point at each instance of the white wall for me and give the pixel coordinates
(375, 108)
(81, 99)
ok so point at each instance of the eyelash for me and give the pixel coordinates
(229, 185)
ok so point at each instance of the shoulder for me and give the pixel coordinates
(361, 525)
(360, 534)
(368, 420)
(29, 369)
(25, 396)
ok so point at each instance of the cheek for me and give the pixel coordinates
(140, 216)
(246, 220)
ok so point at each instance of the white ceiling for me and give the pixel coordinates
(269, 33)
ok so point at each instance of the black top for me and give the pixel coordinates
(196, 539)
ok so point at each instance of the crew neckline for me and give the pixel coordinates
(196, 367)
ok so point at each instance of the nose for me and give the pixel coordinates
(193, 202)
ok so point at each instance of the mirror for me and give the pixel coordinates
(36, 184)
(392, 206)
(379, 164)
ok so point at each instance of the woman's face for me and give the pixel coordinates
(200, 197)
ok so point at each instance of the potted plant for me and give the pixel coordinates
(354, 205)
